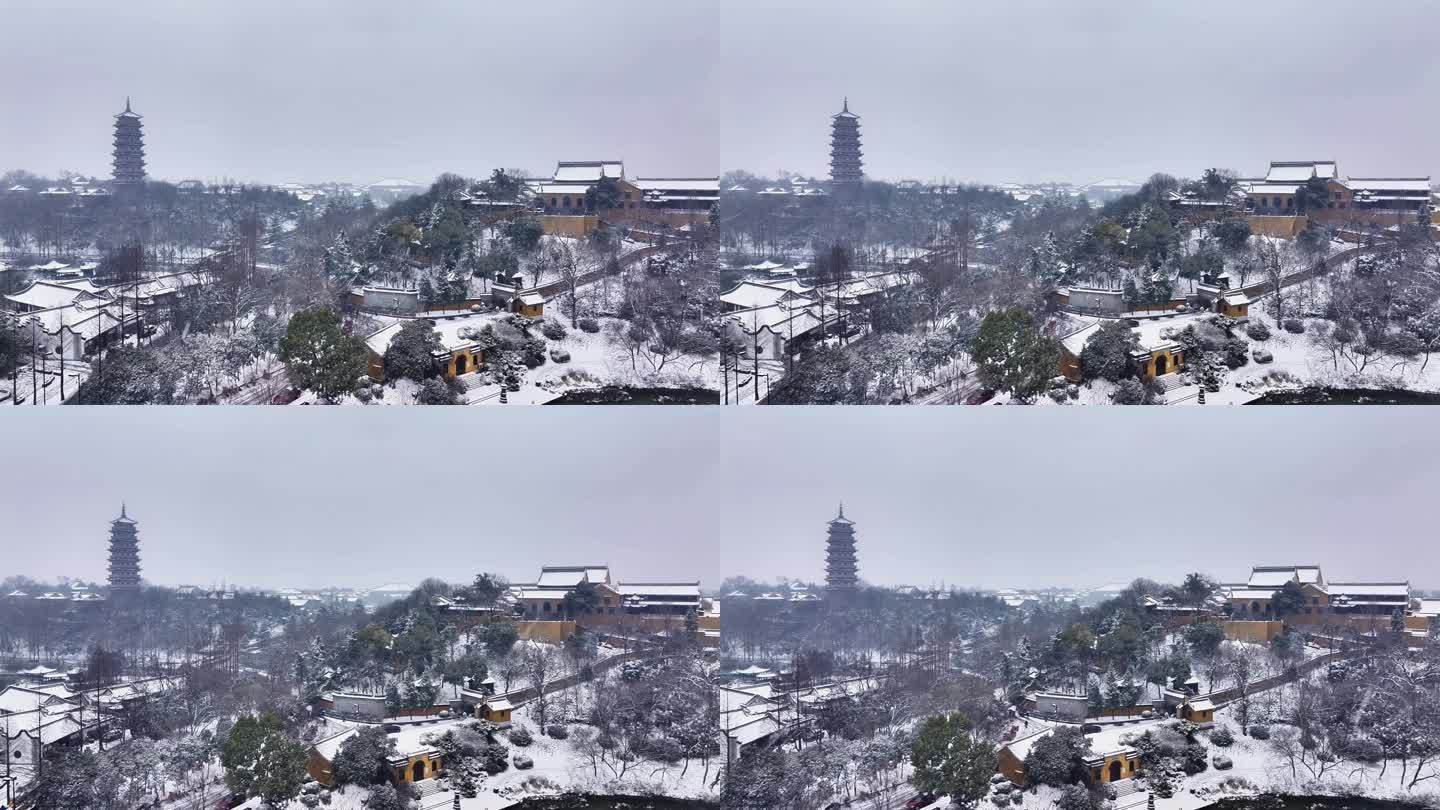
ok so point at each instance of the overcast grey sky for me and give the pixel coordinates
(360, 496)
(987, 497)
(1082, 90)
(359, 90)
(995, 497)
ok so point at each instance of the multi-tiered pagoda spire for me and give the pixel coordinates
(840, 567)
(124, 554)
(129, 148)
(845, 165)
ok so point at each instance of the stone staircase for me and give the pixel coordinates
(470, 381)
(427, 787)
(1169, 382)
(1124, 787)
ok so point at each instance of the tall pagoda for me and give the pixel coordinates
(840, 567)
(124, 554)
(845, 166)
(129, 148)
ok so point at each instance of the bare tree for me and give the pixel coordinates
(540, 662)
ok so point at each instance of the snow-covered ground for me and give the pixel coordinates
(1300, 363)
(1257, 763)
(558, 767)
(596, 359)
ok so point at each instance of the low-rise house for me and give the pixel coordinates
(1110, 760)
(460, 350)
(531, 305)
(496, 710)
(386, 299)
(752, 719)
(754, 294)
(1096, 301)
(412, 761)
(320, 760)
(1156, 353)
(1234, 304)
(1198, 710)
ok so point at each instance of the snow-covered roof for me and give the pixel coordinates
(588, 170)
(1362, 589)
(683, 589)
(47, 729)
(752, 294)
(1428, 607)
(541, 593)
(1272, 188)
(1074, 342)
(19, 698)
(706, 185)
(1252, 593)
(1094, 291)
(329, 747)
(765, 266)
(1300, 171)
(164, 285)
(395, 183)
(573, 189)
(1383, 184)
(1274, 576)
(379, 341)
(1020, 747)
(789, 319)
(86, 323)
(47, 294)
(753, 730)
(499, 704)
(1109, 741)
(569, 576)
(1237, 298)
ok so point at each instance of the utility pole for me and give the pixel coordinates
(34, 382)
(62, 368)
(724, 371)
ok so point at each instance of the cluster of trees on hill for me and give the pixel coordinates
(432, 243)
(874, 620)
(880, 220)
(176, 225)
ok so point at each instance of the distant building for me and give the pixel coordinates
(392, 190)
(124, 554)
(572, 205)
(651, 606)
(1290, 195)
(129, 148)
(840, 565)
(1325, 601)
(846, 170)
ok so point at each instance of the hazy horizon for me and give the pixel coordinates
(358, 90)
(1081, 90)
(984, 497)
(1081, 497)
(357, 497)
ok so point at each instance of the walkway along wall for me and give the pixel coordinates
(472, 698)
(1232, 693)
